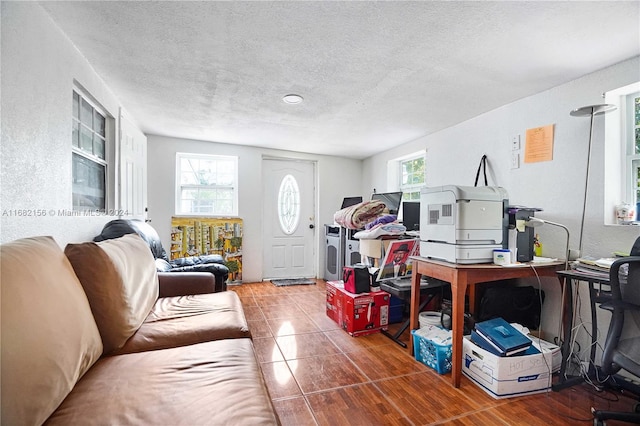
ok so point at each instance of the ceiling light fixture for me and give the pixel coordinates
(292, 99)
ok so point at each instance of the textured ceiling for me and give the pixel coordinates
(373, 74)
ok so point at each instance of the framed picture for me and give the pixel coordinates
(396, 262)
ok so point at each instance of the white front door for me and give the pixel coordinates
(289, 193)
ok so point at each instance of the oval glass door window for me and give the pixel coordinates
(289, 204)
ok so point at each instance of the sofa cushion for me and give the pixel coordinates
(49, 337)
(120, 279)
(212, 383)
(185, 320)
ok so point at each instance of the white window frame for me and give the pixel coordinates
(394, 176)
(105, 162)
(411, 188)
(180, 187)
(621, 161)
(632, 157)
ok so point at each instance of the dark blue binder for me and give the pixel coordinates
(489, 347)
(503, 336)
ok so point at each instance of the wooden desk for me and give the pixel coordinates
(461, 277)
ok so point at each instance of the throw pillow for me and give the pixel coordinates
(120, 279)
(49, 337)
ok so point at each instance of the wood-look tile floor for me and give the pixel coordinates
(319, 375)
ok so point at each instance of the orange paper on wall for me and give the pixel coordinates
(539, 144)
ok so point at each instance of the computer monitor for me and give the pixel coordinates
(350, 201)
(390, 199)
(411, 215)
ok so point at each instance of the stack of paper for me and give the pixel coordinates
(596, 267)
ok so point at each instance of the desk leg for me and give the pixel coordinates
(567, 322)
(458, 290)
(594, 327)
(415, 305)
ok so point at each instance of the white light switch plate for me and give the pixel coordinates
(515, 160)
(515, 143)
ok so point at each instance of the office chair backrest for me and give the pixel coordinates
(630, 278)
(622, 346)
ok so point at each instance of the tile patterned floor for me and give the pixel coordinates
(319, 375)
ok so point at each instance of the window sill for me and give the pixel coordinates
(630, 223)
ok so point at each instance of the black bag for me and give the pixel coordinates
(515, 304)
(356, 279)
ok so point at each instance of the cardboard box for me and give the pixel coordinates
(372, 248)
(553, 348)
(332, 299)
(505, 377)
(358, 314)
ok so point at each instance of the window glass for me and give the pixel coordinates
(88, 142)
(289, 204)
(75, 134)
(98, 146)
(206, 185)
(86, 114)
(88, 183)
(86, 139)
(76, 106)
(98, 121)
(412, 177)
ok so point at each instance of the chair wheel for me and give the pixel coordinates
(596, 420)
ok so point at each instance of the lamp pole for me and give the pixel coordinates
(588, 111)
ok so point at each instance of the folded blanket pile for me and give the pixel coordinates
(387, 218)
(358, 215)
(380, 230)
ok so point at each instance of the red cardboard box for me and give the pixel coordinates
(358, 314)
(333, 294)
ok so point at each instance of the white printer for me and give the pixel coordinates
(463, 224)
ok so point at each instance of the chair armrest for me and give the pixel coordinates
(197, 260)
(611, 305)
(185, 283)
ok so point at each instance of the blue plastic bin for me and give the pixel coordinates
(435, 353)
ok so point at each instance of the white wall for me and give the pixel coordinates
(39, 66)
(556, 186)
(336, 178)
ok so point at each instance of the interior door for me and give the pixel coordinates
(289, 194)
(132, 170)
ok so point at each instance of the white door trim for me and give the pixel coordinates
(315, 196)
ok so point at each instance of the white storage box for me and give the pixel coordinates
(553, 348)
(505, 377)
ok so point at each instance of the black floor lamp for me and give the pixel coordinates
(589, 111)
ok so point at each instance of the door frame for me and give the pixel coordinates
(316, 210)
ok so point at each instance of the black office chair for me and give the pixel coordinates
(622, 346)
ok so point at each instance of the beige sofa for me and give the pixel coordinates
(94, 335)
